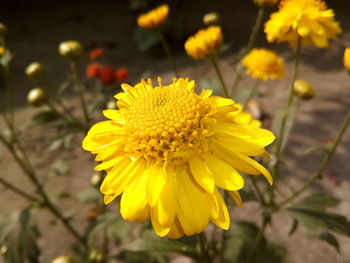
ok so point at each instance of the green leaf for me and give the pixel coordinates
(146, 39)
(60, 167)
(64, 140)
(240, 240)
(44, 117)
(89, 194)
(316, 202)
(294, 227)
(63, 87)
(330, 239)
(161, 245)
(323, 148)
(19, 233)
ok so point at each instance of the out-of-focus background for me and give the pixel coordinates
(35, 29)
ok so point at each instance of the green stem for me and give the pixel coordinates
(169, 54)
(23, 161)
(284, 117)
(80, 88)
(250, 45)
(252, 93)
(203, 248)
(218, 73)
(257, 190)
(18, 191)
(257, 240)
(327, 158)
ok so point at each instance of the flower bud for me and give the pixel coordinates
(2, 50)
(96, 256)
(211, 18)
(265, 3)
(37, 97)
(35, 70)
(111, 105)
(62, 259)
(347, 59)
(71, 49)
(303, 89)
(3, 29)
(3, 249)
(96, 179)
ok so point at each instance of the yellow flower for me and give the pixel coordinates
(2, 50)
(263, 64)
(153, 18)
(347, 59)
(308, 19)
(169, 150)
(265, 3)
(205, 43)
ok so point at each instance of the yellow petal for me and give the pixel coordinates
(223, 218)
(176, 230)
(236, 197)
(225, 175)
(202, 174)
(156, 182)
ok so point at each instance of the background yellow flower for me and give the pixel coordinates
(347, 59)
(310, 20)
(169, 150)
(153, 18)
(263, 64)
(205, 43)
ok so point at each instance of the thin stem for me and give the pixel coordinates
(278, 151)
(80, 88)
(257, 190)
(327, 158)
(24, 163)
(169, 54)
(18, 191)
(8, 114)
(203, 248)
(252, 93)
(250, 45)
(218, 73)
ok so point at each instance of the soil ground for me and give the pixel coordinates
(37, 27)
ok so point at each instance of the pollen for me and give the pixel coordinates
(166, 120)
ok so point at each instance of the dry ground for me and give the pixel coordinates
(36, 28)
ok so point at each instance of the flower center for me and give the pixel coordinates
(166, 121)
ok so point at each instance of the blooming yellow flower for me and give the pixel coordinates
(153, 18)
(308, 19)
(205, 43)
(265, 3)
(347, 59)
(169, 150)
(263, 64)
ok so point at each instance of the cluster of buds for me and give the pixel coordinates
(106, 74)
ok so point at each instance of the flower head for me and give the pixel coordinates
(121, 74)
(347, 59)
(106, 75)
(205, 43)
(263, 64)
(93, 70)
(96, 53)
(265, 3)
(308, 19)
(154, 18)
(71, 49)
(168, 150)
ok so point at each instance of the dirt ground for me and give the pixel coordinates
(37, 27)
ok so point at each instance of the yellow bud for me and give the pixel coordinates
(3, 29)
(96, 179)
(265, 3)
(71, 49)
(303, 90)
(35, 70)
(37, 97)
(211, 18)
(62, 259)
(2, 50)
(3, 249)
(96, 256)
(347, 59)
